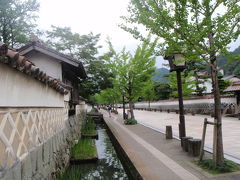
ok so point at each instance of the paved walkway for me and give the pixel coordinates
(154, 156)
(194, 127)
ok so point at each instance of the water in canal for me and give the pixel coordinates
(108, 166)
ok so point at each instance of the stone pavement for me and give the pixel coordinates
(155, 157)
(194, 128)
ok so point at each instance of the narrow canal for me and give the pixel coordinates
(108, 166)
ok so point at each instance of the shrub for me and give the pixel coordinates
(89, 126)
(72, 173)
(84, 149)
(227, 166)
(130, 122)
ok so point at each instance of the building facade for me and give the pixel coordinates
(34, 110)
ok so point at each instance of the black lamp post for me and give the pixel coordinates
(177, 63)
(124, 113)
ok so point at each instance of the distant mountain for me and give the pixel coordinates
(159, 75)
(229, 68)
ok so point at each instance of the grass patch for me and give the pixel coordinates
(72, 173)
(89, 127)
(84, 149)
(130, 122)
(226, 167)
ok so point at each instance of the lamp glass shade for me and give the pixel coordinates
(171, 64)
(179, 59)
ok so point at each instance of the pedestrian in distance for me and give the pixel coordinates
(109, 110)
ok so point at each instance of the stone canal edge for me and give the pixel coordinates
(139, 151)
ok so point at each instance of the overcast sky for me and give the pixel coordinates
(98, 16)
(84, 16)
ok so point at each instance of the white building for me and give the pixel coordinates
(64, 68)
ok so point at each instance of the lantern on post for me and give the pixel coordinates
(177, 63)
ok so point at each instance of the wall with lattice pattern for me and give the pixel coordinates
(24, 129)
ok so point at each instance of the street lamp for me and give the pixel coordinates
(178, 64)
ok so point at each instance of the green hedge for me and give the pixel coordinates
(84, 149)
(130, 122)
(89, 126)
(227, 166)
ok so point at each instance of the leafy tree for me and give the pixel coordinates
(223, 84)
(92, 100)
(17, 21)
(194, 69)
(74, 44)
(133, 72)
(162, 91)
(230, 63)
(108, 96)
(199, 84)
(187, 85)
(83, 47)
(202, 29)
(148, 92)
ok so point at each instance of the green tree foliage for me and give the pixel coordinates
(187, 85)
(74, 44)
(17, 21)
(108, 96)
(133, 72)
(148, 92)
(162, 91)
(194, 69)
(202, 29)
(223, 84)
(230, 63)
(85, 48)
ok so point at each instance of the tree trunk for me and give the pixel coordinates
(217, 136)
(149, 103)
(131, 109)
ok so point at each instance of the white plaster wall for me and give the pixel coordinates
(20, 90)
(208, 84)
(67, 96)
(191, 101)
(47, 64)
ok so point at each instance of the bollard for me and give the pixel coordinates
(169, 132)
(193, 113)
(194, 147)
(185, 142)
